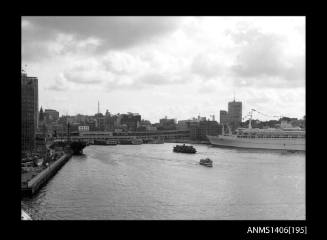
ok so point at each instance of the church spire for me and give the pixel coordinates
(41, 115)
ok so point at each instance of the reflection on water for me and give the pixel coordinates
(150, 181)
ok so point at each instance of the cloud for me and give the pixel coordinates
(153, 79)
(100, 33)
(81, 78)
(188, 64)
(88, 71)
(262, 60)
(56, 87)
(207, 65)
(59, 85)
(120, 63)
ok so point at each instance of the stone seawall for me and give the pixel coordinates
(39, 180)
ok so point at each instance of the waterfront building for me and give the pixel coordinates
(204, 128)
(150, 128)
(141, 128)
(109, 122)
(234, 114)
(58, 130)
(29, 111)
(223, 117)
(186, 124)
(92, 124)
(40, 142)
(83, 128)
(81, 118)
(167, 124)
(100, 121)
(169, 135)
(51, 115)
(131, 120)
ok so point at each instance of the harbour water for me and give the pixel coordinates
(152, 182)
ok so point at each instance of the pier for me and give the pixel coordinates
(33, 185)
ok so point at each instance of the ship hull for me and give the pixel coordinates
(261, 143)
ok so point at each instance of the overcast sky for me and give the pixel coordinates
(177, 67)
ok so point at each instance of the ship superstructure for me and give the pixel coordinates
(283, 138)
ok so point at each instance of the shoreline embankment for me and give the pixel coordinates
(44, 176)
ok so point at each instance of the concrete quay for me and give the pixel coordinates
(187, 141)
(41, 178)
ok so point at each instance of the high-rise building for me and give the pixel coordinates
(234, 114)
(223, 117)
(29, 110)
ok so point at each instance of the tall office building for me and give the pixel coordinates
(223, 117)
(234, 114)
(29, 111)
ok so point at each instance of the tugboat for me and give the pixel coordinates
(77, 147)
(184, 149)
(206, 162)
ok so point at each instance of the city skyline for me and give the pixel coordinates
(245, 117)
(170, 66)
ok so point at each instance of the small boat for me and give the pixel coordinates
(184, 149)
(206, 162)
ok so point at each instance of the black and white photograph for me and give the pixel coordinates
(163, 118)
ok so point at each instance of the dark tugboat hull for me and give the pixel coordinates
(77, 147)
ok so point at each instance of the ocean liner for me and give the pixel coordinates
(284, 138)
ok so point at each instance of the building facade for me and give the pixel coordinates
(131, 121)
(109, 122)
(167, 124)
(223, 117)
(83, 128)
(51, 115)
(204, 128)
(29, 111)
(186, 124)
(234, 114)
(100, 121)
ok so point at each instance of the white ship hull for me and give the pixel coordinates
(292, 144)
